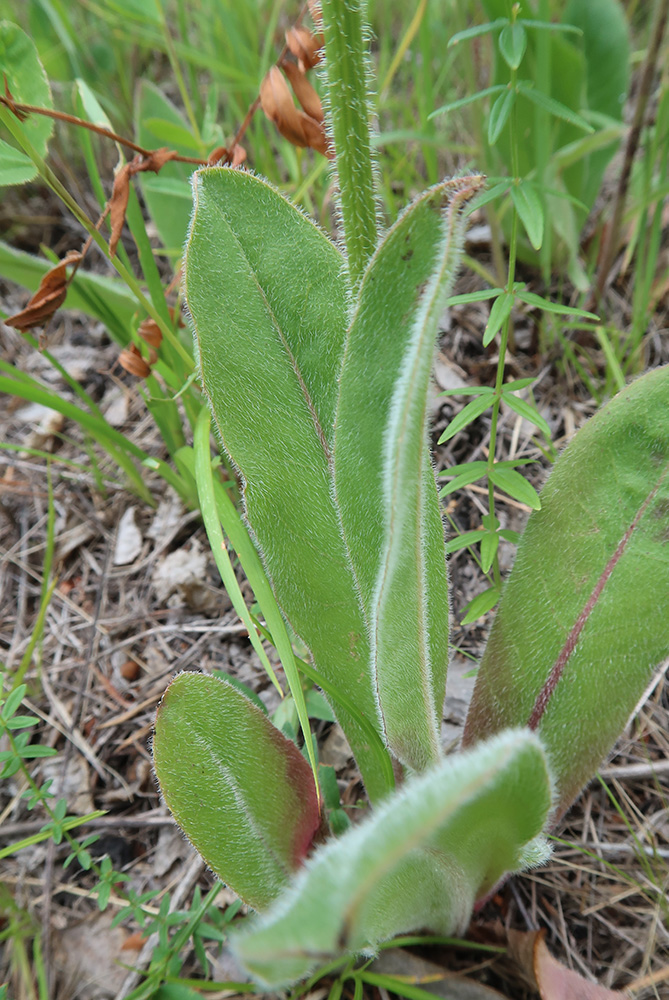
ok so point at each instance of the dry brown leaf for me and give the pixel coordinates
(119, 204)
(135, 942)
(552, 979)
(155, 161)
(304, 92)
(305, 46)
(48, 298)
(293, 124)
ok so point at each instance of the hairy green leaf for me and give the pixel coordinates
(584, 617)
(420, 861)
(391, 522)
(241, 791)
(267, 298)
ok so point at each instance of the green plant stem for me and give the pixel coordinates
(506, 332)
(349, 119)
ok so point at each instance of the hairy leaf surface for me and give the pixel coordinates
(241, 791)
(267, 298)
(420, 861)
(584, 617)
(384, 482)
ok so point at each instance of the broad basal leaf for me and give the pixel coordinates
(241, 791)
(584, 617)
(420, 861)
(267, 298)
(384, 482)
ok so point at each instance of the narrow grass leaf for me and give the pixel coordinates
(500, 312)
(553, 107)
(539, 302)
(480, 296)
(464, 101)
(516, 486)
(206, 496)
(526, 410)
(464, 541)
(530, 211)
(499, 115)
(478, 30)
(481, 605)
(467, 415)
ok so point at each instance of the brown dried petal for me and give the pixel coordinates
(155, 161)
(304, 92)
(275, 97)
(305, 46)
(216, 155)
(119, 204)
(292, 123)
(238, 155)
(150, 332)
(47, 299)
(131, 359)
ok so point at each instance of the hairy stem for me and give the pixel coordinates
(349, 120)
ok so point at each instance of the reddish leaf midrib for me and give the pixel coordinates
(553, 679)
